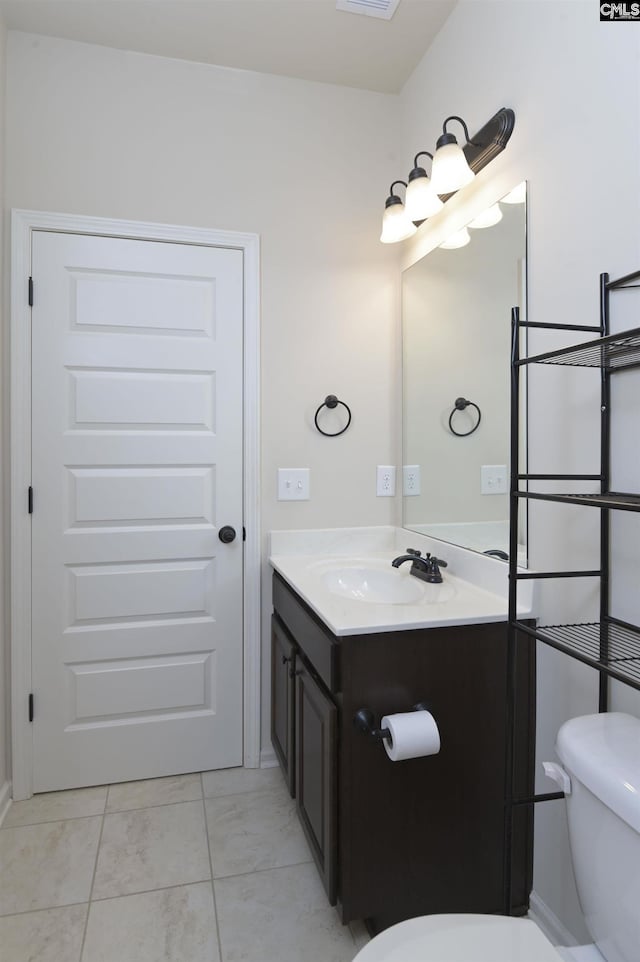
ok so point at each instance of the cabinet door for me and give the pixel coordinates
(316, 773)
(282, 699)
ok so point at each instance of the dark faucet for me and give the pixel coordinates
(427, 568)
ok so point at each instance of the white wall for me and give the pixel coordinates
(304, 165)
(4, 661)
(574, 84)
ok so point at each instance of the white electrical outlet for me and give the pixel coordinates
(493, 479)
(293, 484)
(410, 480)
(386, 480)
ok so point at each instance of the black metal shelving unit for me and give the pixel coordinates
(609, 645)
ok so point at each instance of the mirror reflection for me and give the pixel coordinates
(456, 309)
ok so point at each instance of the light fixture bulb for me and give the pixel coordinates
(396, 226)
(460, 239)
(492, 215)
(516, 196)
(450, 170)
(421, 201)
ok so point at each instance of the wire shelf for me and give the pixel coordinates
(613, 353)
(615, 500)
(613, 647)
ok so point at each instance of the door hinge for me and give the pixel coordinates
(31, 706)
(31, 292)
(30, 499)
(244, 533)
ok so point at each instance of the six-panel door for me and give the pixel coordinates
(137, 463)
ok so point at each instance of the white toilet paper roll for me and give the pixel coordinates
(413, 734)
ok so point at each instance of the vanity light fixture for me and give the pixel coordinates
(450, 170)
(492, 215)
(516, 196)
(396, 225)
(421, 200)
(452, 167)
(460, 239)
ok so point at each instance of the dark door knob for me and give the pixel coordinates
(227, 534)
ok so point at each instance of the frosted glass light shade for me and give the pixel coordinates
(450, 170)
(492, 215)
(421, 200)
(516, 196)
(460, 239)
(396, 226)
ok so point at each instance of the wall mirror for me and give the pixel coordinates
(456, 331)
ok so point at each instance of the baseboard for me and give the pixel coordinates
(268, 758)
(5, 801)
(548, 921)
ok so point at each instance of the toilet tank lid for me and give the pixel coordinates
(603, 752)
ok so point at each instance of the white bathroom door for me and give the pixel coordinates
(137, 643)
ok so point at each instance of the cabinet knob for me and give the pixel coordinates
(285, 659)
(295, 671)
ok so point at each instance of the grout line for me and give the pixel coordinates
(93, 879)
(46, 908)
(160, 888)
(259, 871)
(141, 808)
(213, 888)
(273, 790)
(118, 811)
(52, 821)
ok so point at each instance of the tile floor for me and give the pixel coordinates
(192, 868)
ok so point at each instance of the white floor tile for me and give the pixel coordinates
(280, 916)
(47, 865)
(233, 781)
(154, 791)
(51, 935)
(152, 848)
(55, 806)
(257, 830)
(172, 925)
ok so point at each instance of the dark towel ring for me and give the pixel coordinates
(460, 404)
(331, 401)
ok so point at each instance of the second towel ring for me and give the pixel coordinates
(331, 401)
(460, 404)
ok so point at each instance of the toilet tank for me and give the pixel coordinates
(601, 753)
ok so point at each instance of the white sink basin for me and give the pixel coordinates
(380, 584)
(374, 585)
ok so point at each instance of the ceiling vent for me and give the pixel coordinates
(382, 9)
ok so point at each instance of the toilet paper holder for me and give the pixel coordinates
(364, 721)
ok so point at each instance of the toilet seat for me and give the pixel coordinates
(460, 938)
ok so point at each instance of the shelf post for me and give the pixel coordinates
(605, 488)
(514, 507)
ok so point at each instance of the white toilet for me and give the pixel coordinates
(601, 755)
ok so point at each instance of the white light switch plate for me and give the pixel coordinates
(410, 480)
(293, 484)
(493, 479)
(386, 481)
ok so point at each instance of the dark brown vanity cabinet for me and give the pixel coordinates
(283, 687)
(393, 840)
(316, 762)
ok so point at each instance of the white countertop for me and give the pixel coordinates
(474, 588)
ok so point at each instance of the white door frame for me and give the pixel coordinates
(23, 223)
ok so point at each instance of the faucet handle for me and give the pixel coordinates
(435, 562)
(414, 552)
